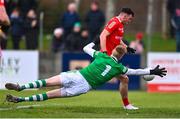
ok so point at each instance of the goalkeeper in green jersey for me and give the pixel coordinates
(74, 83)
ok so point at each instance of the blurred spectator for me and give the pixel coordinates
(26, 5)
(177, 27)
(31, 30)
(73, 39)
(95, 19)
(171, 8)
(84, 38)
(3, 40)
(174, 9)
(16, 28)
(138, 44)
(58, 41)
(70, 17)
(10, 6)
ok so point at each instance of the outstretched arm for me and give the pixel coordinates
(137, 71)
(103, 38)
(89, 49)
(156, 71)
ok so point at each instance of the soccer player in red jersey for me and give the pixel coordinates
(112, 36)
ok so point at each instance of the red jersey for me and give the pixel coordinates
(116, 30)
(1, 2)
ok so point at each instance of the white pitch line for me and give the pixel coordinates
(19, 107)
(29, 106)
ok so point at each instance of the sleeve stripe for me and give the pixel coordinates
(125, 69)
(95, 54)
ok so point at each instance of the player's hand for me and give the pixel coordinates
(131, 50)
(158, 71)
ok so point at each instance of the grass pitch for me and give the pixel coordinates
(105, 104)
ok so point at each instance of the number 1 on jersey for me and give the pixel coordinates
(108, 68)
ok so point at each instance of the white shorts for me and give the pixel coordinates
(73, 84)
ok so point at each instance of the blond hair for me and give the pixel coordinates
(119, 51)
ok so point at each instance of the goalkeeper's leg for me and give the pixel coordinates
(71, 91)
(39, 97)
(53, 81)
(73, 84)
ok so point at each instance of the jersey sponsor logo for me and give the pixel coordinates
(111, 25)
(118, 37)
(121, 30)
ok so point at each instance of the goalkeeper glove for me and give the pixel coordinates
(158, 71)
(130, 50)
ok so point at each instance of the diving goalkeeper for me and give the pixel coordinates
(74, 83)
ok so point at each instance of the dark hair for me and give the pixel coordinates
(127, 11)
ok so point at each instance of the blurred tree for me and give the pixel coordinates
(110, 9)
(149, 22)
(77, 4)
(164, 19)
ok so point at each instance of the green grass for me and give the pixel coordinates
(158, 44)
(94, 104)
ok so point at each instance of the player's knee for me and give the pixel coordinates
(125, 80)
(63, 92)
(66, 93)
(75, 93)
(72, 94)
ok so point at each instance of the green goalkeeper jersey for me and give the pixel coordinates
(102, 69)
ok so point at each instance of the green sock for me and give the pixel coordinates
(35, 84)
(39, 97)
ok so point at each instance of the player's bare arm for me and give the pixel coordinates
(103, 38)
(4, 19)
